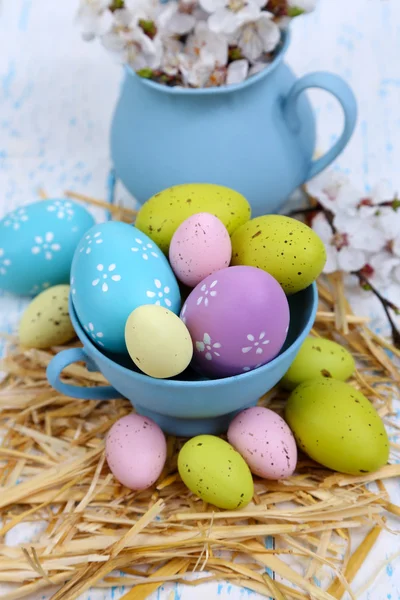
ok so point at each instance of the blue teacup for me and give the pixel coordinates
(186, 405)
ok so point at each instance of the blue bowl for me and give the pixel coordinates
(188, 405)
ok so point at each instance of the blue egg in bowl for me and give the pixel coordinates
(37, 244)
(115, 269)
(187, 405)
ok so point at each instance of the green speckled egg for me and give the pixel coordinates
(319, 358)
(46, 321)
(162, 214)
(284, 247)
(337, 426)
(213, 470)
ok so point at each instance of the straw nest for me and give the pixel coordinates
(53, 447)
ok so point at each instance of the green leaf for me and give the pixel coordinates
(294, 11)
(116, 5)
(396, 204)
(145, 73)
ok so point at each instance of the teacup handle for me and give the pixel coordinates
(65, 358)
(344, 94)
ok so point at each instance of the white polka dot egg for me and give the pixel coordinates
(115, 269)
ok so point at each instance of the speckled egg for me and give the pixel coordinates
(158, 341)
(337, 426)
(46, 321)
(136, 451)
(265, 441)
(200, 246)
(213, 470)
(162, 214)
(37, 244)
(318, 357)
(117, 268)
(238, 319)
(284, 247)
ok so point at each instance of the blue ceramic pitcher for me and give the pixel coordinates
(257, 137)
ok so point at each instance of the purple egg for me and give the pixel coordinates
(238, 318)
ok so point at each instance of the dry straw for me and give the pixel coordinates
(53, 447)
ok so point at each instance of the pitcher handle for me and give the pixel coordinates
(65, 358)
(344, 94)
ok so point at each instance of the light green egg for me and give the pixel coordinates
(337, 426)
(287, 249)
(213, 470)
(46, 321)
(162, 214)
(319, 358)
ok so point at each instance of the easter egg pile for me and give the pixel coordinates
(197, 285)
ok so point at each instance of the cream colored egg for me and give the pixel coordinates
(46, 321)
(158, 342)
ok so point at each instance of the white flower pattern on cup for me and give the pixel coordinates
(15, 219)
(145, 249)
(62, 208)
(72, 285)
(105, 276)
(207, 346)
(37, 288)
(96, 336)
(160, 293)
(89, 240)
(206, 293)
(46, 245)
(4, 262)
(256, 343)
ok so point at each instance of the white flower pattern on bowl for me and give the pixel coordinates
(160, 293)
(62, 208)
(146, 249)
(105, 276)
(207, 292)
(88, 241)
(37, 288)
(96, 336)
(45, 244)
(72, 285)
(207, 346)
(15, 219)
(4, 262)
(256, 343)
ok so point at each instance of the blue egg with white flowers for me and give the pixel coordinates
(115, 269)
(37, 244)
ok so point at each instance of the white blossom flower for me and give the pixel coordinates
(94, 18)
(237, 71)
(45, 244)
(62, 208)
(206, 293)
(179, 17)
(105, 276)
(145, 249)
(256, 37)
(133, 47)
(256, 343)
(96, 336)
(170, 60)
(204, 59)
(207, 346)
(89, 240)
(161, 293)
(227, 15)
(204, 40)
(4, 262)
(15, 219)
(334, 192)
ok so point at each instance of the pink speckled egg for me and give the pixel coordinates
(136, 451)
(200, 246)
(265, 441)
(238, 319)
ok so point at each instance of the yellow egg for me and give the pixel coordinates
(158, 342)
(337, 426)
(46, 321)
(319, 358)
(162, 214)
(213, 470)
(284, 247)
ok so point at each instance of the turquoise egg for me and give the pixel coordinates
(115, 269)
(37, 244)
